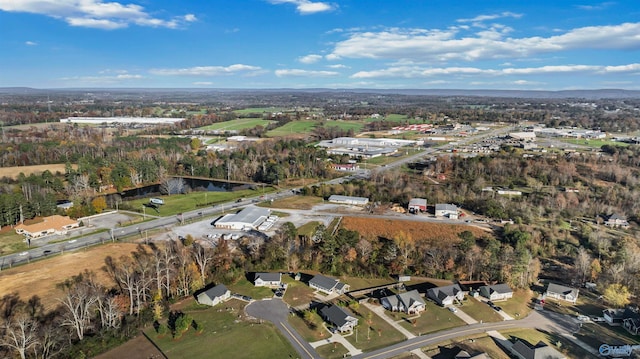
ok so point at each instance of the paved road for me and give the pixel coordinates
(276, 311)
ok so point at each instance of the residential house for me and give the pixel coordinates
(616, 317)
(463, 354)
(496, 292)
(523, 350)
(409, 302)
(558, 291)
(632, 324)
(446, 210)
(328, 285)
(445, 296)
(265, 279)
(617, 220)
(339, 317)
(214, 295)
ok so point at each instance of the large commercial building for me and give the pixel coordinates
(248, 218)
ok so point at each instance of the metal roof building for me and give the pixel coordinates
(358, 201)
(250, 217)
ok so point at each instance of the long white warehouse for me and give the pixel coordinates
(248, 218)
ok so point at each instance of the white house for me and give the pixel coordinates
(250, 217)
(55, 224)
(265, 279)
(409, 302)
(496, 292)
(445, 296)
(215, 295)
(558, 291)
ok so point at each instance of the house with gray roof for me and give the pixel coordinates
(327, 285)
(339, 317)
(214, 295)
(523, 350)
(409, 302)
(446, 210)
(446, 295)
(249, 218)
(558, 291)
(496, 292)
(266, 279)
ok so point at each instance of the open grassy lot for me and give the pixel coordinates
(362, 283)
(312, 331)
(346, 125)
(596, 334)
(11, 242)
(374, 333)
(308, 229)
(245, 287)
(433, 319)
(293, 128)
(237, 125)
(223, 332)
(534, 336)
(480, 311)
(520, 305)
(296, 202)
(594, 143)
(332, 351)
(179, 203)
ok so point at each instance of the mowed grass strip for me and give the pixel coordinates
(480, 311)
(433, 319)
(223, 332)
(374, 334)
(237, 125)
(332, 351)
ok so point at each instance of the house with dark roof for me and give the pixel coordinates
(523, 350)
(327, 285)
(339, 317)
(409, 302)
(463, 354)
(616, 317)
(496, 292)
(214, 295)
(266, 279)
(445, 296)
(558, 291)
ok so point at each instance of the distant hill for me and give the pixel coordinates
(575, 94)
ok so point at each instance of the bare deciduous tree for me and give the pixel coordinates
(21, 335)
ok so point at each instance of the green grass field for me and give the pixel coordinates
(221, 334)
(258, 110)
(244, 287)
(593, 143)
(374, 335)
(480, 311)
(11, 242)
(346, 125)
(332, 351)
(293, 128)
(433, 319)
(237, 125)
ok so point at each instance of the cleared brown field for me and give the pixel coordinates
(372, 228)
(40, 278)
(13, 172)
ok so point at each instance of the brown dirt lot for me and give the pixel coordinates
(372, 228)
(40, 278)
(138, 347)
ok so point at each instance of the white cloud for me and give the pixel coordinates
(600, 6)
(207, 70)
(310, 59)
(338, 66)
(481, 18)
(93, 13)
(429, 45)
(106, 80)
(304, 73)
(421, 72)
(306, 7)
(30, 43)
(203, 83)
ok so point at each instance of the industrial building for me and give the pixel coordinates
(417, 205)
(356, 201)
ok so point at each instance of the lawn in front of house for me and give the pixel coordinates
(356, 283)
(373, 332)
(297, 293)
(434, 319)
(311, 329)
(596, 334)
(480, 311)
(558, 342)
(245, 287)
(332, 351)
(225, 331)
(519, 305)
(480, 343)
(11, 242)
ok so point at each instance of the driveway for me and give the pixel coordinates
(276, 311)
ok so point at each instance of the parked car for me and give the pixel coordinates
(156, 201)
(453, 309)
(583, 318)
(597, 319)
(490, 303)
(497, 308)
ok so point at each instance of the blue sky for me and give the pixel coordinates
(405, 44)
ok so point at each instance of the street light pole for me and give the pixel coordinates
(144, 213)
